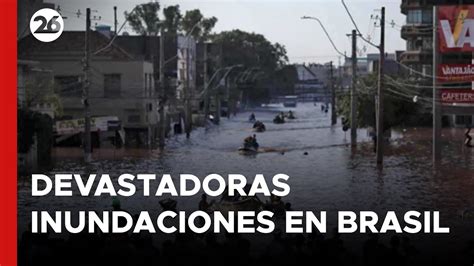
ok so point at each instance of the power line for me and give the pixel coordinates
(357, 28)
(115, 36)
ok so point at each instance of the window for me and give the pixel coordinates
(463, 120)
(69, 86)
(112, 85)
(427, 16)
(414, 16)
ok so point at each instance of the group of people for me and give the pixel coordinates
(279, 119)
(259, 126)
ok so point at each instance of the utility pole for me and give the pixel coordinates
(187, 96)
(162, 92)
(333, 96)
(436, 96)
(207, 95)
(85, 91)
(115, 20)
(353, 90)
(380, 125)
(218, 99)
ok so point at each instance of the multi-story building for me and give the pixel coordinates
(120, 85)
(418, 33)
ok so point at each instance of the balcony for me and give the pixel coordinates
(410, 4)
(416, 57)
(416, 30)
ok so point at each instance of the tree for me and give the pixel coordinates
(172, 21)
(399, 108)
(144, 19)
(194, 24)
(252, 51)
(285, 79)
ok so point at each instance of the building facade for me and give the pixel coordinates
(119, 84)
(418, 33)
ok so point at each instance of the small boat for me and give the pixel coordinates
(259, 129)
(238, 202)
(278, 121)
(248, 150)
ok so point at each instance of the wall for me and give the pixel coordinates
(134, 95)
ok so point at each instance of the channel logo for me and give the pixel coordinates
(46, 25)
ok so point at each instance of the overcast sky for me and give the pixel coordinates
(279, 20)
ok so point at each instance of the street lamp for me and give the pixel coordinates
(326, 32)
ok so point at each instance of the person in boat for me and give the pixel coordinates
(468, 140)
(252, 117)
(291, 115)
(280, 118)
(259, 125)
(248, 142)
(254, 142)
(251, 142)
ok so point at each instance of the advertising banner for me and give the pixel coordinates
(75, 126)
(457, 96)
(456, 72)
(455, 25)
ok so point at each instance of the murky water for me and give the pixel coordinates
(330, 176)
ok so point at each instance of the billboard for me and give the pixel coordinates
(455, 25)
(457, 96)
(75, 126)
(456, 72)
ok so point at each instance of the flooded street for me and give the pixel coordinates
(325, 174)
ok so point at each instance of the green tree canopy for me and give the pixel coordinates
(399, 108)
(173, 17)
(144, 19)
(196, 25)
(250, 50)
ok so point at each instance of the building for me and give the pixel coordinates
(391, 66)
(179, 53)
(418, 34)
(313, 82)
(417, 31)
(121, 85)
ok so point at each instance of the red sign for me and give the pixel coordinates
(455, 96)
(456, 72)
(455, 28)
